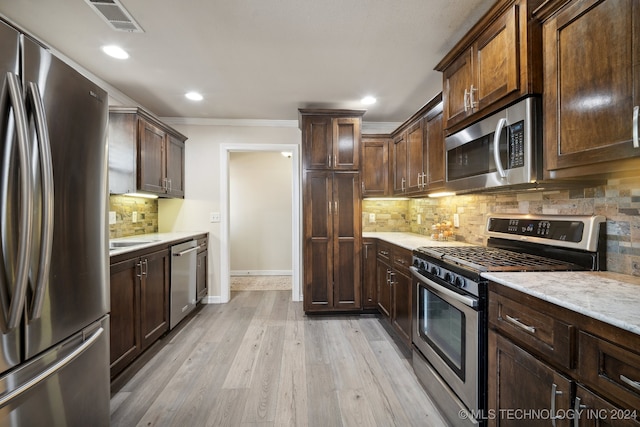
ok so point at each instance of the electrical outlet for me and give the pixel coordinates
(112, 217)
(456, 220)
(134, 217)
(372, 218)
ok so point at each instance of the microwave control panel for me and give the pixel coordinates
(516, 145)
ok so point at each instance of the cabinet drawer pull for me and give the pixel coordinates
(519, 324)
(630, 382)
(636, 111)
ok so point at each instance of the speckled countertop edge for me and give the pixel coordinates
(612, 298)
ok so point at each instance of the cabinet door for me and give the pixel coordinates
(374, 171)
(383, 291)
(125, 341)
(415, 157)
(318, 232)
(519, 381)
(175, 166)
(347, 240)
(591, 85)
(154, 297)
(402, 298)
(597, 412)
(435, 151)
(457, 80)
(317, 148)
(399, 156)
(369, 299)
(496, 61)
(201, 275)
(151, 158)
(346, 143)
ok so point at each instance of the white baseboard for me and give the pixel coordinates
(261, 273)
(211, 300)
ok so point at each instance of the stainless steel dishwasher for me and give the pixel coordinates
(183, 281)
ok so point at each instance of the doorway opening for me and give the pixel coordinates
(226, 151)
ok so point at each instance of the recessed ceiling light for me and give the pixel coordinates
(193, 96)
(368, 100)
(115, 51)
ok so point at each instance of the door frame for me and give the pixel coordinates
(296, 232)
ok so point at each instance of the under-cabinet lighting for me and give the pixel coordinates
(442, 194)
(143, 195)
(387, 199)
(115, 51)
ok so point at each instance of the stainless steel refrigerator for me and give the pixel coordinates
(54, 288)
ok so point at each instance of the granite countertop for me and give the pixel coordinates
(409, 241)
(612, 298)
(150, 240)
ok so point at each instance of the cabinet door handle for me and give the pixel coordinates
(139, 265)
(402, 184)
(146, 267)
(329, 160)
(521, 325)
(636, 111)
(466, 97)
(472, 104)
(630, 382)
(363, 188)
(577, 407)
(335, 208)
(330, 209)
(554, 392)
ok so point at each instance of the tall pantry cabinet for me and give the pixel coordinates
(331, 209)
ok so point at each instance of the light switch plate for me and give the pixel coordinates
(214, 217)
(112, 217)
(372, 218)
(134, 217)
(456, 220)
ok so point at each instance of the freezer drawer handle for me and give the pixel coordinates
(51, 370)
(186, 251)
(26, 208)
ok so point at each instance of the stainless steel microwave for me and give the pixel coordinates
(501, 150)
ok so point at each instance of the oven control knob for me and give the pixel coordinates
(435, 270)
(448, 277)
(423, 266)
(416, 262)
(460, 282)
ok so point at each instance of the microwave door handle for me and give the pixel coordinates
(496, 147)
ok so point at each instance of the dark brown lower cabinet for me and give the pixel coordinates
(519, 381)
(402, 300)
(332, 241)
(369, 284)
(202, 269)
(139, 306)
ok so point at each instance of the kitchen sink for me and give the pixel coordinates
(119, 244)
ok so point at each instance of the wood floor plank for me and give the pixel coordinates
(260, 361)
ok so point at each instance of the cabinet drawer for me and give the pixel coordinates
(384, 252)
(401, 260)
(611, 370)
(535, 330)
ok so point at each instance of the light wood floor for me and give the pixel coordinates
(259, 361)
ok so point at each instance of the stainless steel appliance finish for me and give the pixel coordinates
(183, 280)
(501, 150)
(54, 294)
(449, 315)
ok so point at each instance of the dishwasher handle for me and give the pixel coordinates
(186, 251)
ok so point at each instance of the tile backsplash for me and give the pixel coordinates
(124, 207)
(618, 201)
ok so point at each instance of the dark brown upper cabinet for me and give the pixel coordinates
(495, 63)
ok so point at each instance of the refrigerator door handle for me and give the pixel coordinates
(27, 385)
(46, 173)
(16, 305)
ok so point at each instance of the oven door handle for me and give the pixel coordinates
(468, 301)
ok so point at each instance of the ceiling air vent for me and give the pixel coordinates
(115, 15)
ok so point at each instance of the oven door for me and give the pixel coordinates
(447, 333)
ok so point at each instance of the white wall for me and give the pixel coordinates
(260, 186)
(202, 177)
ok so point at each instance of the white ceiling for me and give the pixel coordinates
(262, 59)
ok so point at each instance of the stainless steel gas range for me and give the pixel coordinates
(450, 299)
